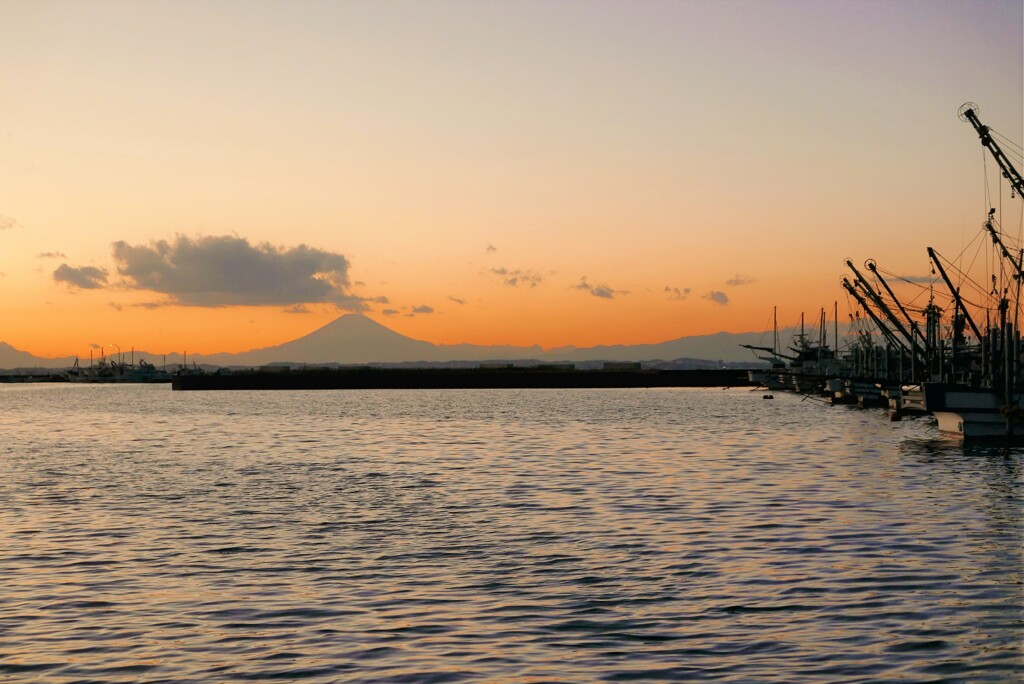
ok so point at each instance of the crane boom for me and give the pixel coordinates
(873, 267)
(969, 112)
(888, 334)
(909, 337)
(955, 291)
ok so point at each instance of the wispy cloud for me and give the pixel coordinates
(115, 306)
(7, 222)
(518, 277)
(52, 255)
(422, 309)
(717, 297)
(228, 270)
(675, 294)
(84, 277)
(297, 309)
(491, 248)
(920, 279)
(390, 312)
(601, 290)
(457, 300)
(738, 280)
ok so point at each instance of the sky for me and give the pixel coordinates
(222, 176)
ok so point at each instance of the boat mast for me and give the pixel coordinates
(775, 331)
(835, 322)
(775, 351)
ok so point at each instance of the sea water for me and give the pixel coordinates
(506, 535)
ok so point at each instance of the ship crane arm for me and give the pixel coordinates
(955, 292)
(769, 350)
(888, 334)
(1017, 263)
(969, 112)
(885, 311)
(873, 267)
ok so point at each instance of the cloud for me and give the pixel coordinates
(390, 312)
(717, 297)
(925, 279)
(8, 222)
(456, 300)
(527, 278)
(357, 303)
(738, 280)
(114, 305)
(600, 290)
(85, 277)
(93, 345)
(675, 294)
(228, 270)
(422, 309)
(491, 248)
(297, 309)
(52, 255)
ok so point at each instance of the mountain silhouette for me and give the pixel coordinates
(15, 358)
(357, 339)
(354, 338)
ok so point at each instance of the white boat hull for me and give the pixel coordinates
(970, 413)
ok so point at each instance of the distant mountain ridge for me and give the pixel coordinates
(357, 339)
(15, 358)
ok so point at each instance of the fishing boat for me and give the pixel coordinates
(973, 413)
(982, 394)
(773, 377)
(111, 371)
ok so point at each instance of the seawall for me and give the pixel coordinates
(459, 378)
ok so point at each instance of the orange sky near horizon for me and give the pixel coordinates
(575, 173)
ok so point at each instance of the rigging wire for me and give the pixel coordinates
(1020, 228)
(1005, 142)
(981, 245)
(968, 280)
(984, 170)
(911, 304)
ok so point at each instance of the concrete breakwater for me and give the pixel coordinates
(459, 378)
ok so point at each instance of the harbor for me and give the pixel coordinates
(952, 352)
(947, 347)
(518, 342)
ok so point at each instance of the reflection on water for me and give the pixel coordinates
(542, 535)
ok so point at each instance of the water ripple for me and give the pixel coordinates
(547, 536)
